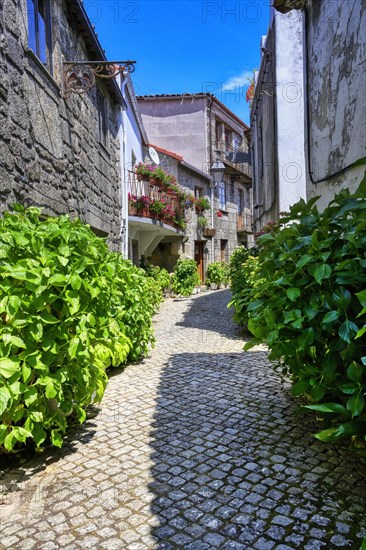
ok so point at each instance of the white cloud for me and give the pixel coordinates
(241, 80)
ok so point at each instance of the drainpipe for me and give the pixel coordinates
(211, 184)
(124, 199)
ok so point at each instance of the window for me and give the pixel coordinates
(102, 118)
(236, 142)
(198, 192)
(39, 31)
(224, 257)
(227, 138)
(240, 201)
(222, 194)
(218, 133)
(247, 198)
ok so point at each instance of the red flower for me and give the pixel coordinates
(219, 214)
(250, 92)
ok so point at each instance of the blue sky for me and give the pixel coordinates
(185, 46)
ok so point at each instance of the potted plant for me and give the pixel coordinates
(209, 232)
(202, 222)
(215, 273)
(156, 207)
(202, 204)
(185, 277)
(226, 273)
(142, 204)
(144, 171)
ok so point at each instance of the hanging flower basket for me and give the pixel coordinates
(209, 232)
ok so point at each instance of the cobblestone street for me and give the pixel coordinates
(197, 447)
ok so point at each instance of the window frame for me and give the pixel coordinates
(198, 192)
(240, 201)
(221, 191)
(33, 17)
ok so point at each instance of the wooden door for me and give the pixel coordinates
(198, 257)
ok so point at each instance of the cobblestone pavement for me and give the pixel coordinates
(198, 447)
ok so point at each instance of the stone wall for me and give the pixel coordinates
(50, 154)
(336, 87)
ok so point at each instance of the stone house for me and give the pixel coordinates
(277, 121)
(196, 241)
(200, 129)
(308, 113)
(59, 150)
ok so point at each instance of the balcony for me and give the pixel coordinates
(244, 223)
(235, 158)
(148, 199)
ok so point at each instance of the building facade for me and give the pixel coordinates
(60, 150)
(201, 129)
(335, 76)
(277, 121)
(308, 114)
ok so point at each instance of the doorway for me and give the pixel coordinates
(198, 257)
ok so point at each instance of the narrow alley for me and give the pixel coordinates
(197, 447)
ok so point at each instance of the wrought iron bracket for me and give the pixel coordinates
(79, 76)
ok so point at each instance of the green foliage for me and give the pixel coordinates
(218, 272)
(159, 274)
(202, 221)
(202, 204)
(245, 284)
(310, 308)
(162, 277)
(69, 309)
(185, 277)
(238, 281)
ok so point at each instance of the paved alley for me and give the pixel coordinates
(197, 447)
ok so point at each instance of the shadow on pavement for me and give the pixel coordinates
(234, 467)
(209, 312)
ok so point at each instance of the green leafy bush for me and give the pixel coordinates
(246, 284)
(310, 308)
(69, 308)
(159, 274)
(226, 272)
(218, 272)
(238, 280)
(162, 277)
(185, 277)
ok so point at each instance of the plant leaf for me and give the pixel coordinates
(8, 366)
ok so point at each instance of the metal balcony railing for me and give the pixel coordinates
(144, 193)
(237, 158)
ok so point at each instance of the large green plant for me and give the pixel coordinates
(69, 308)
(215, 273)
(246, 284)
(310, 308)
(185, 277)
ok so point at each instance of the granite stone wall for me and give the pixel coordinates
(50, 153)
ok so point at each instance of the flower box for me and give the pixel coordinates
(209, 232)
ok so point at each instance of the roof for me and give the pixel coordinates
(198, 95)
(166, 152)
(91, 40)
(181, 160)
